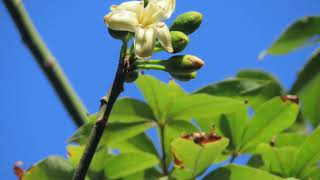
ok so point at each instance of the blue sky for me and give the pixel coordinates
(33, 122)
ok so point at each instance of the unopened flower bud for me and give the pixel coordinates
(179, 42)
(131, 76)
(187, 23)
(121, 35)
(184, 77)
(183, 64)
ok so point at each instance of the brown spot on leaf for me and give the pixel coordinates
(18, 171)
(177, 162)
(292, 98)
(202, 138)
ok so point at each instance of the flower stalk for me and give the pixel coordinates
(47, 62)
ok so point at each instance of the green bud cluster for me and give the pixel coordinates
(181, 67)
(187, 23)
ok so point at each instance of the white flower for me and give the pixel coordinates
(146, 22)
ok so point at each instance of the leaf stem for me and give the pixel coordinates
(47, 62)
(151, 66)
(107, 103)
(164, 154)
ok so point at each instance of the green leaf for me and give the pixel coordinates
(310, 98)
(52, 168)
(254, 87)
(147, 174)
(194, 158)
(277, 160)
(308, 154)
(232, 126)
(129, 110)
(311, 173)
(173, 130)
(129, 163)
(160, 96)
(289, 139)
(303, 31)
(139, 143)
(97, 164)
(236, 172)
(202, 106)
(114, 133)
(270, 119)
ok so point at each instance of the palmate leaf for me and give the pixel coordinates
(192, 159)
(125, 164)
(116, 132)
(236, 172)
(304, 31)
(250, 86)
(270, 119)
(307, 155)
(289, 139)
(277, 160)
(52, 168)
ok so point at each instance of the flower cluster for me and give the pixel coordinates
(145, 20)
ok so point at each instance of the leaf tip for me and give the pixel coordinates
(18, 171)
(262, 55)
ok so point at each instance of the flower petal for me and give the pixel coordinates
(153, 13)
(121, 20)
(168, 6)
(144, 42)
(133, 6)
(164, 36)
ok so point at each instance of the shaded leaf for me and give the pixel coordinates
(129, 163)
(250, 86)
(303, 31)
(236, 172)
(52, 168)
(139, 143)
(270, 119)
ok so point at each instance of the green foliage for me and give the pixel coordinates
(235, 172)
(194, 158)
(250, 86)
(303, 31)
(51, 168)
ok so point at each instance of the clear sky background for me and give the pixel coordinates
(33, 122)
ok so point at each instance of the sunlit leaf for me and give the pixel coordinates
(114, 133)
(192, 159)
(289, 139)
(308, 154)
(302, 32)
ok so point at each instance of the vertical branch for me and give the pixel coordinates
(107, 103)
(47, 62)
(164, 154)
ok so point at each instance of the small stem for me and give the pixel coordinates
(153, 61)
(107, 103)
(151, 66)
(234, 156)
(164, 154)
(47, 62)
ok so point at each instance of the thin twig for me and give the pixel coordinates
(107, 103)
(47, 62)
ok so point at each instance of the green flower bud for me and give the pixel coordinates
(187, 23)
(179, 42)
(184, 77)
(131, 76)
(180, 65)
(121, 35)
